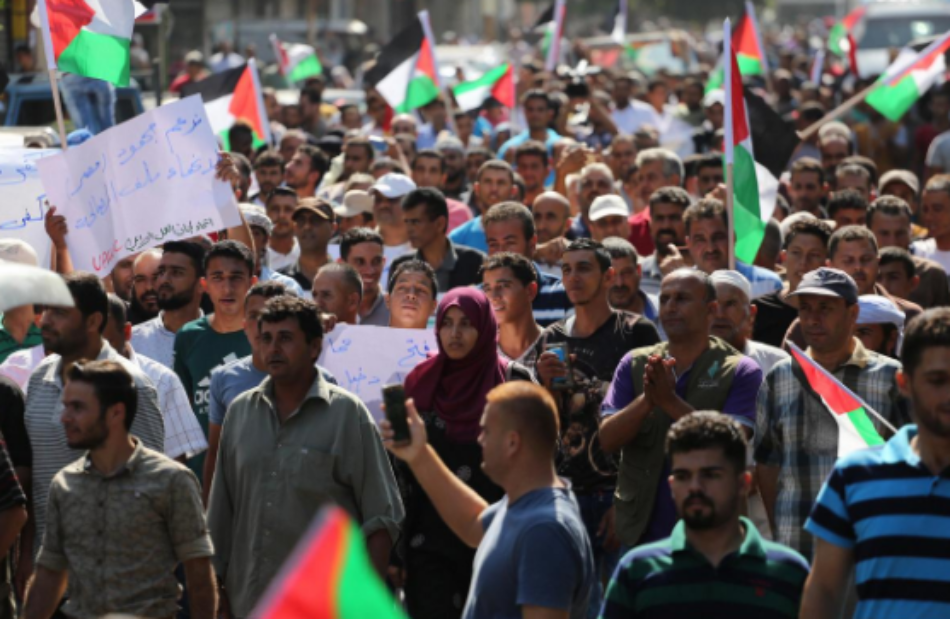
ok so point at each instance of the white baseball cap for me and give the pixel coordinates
(393, 185)
(355, 202)
(605, 206)
(20, 252)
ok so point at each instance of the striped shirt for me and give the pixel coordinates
(551, 304)
(44, 409)
(894, 514)
(669, 578)
(795, 432)
(153, 340)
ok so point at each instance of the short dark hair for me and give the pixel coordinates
(620, 248)
(808, 226)
(89, 295)
(511, 211)
(889, 255)
(267, 289)
(671, 195)
(707, 208)
(355, 236)
(269, 159)
(846, 199)
(112, 383)
(319, 162)
(889, 206)
(195, 253)
(849, 234)
(351, 277)
(532, 148)
(600, 252)
(522, 268)
(865, 162)
(928, 330)
(362, 142)
(495, 164)
(414, 266)
(387, 163)
(808, 165)
(118, 311)
(712, 159)
(230, 249)
(537, 93)
(708, 430)
(432, 200)
(532, 410)
(242, 163)
(304, 312)
(287, 192)
(430, 153)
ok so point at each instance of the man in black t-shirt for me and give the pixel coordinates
(597, 338)
(806, 248)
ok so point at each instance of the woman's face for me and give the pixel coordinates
(457, 334)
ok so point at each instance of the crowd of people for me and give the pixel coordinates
(611, 426)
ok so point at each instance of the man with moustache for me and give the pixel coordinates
(495, 183)
(667, 206)
(656, 168)
(625, 293)
(144, 302)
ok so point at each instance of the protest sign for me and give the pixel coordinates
(364, 358)
(142, 183)
(22, 209)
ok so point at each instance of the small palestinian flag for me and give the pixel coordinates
(231, 96)
(88, 37)
(618, 26)
(840, 31)
(498, 83)
(748, 47)
(149, 11)
(908, 78)
(298, 62)
(405, 73)
(855, 428)
(329, 576)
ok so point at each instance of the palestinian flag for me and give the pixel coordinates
(88, 37)
(908, 78)
(231, 96)
(855, 428)
(749, 212)
(747, 44)
(329, 576)
(551, 45)
(769, 129)
(498, 83)
(297, 61)
(840, 31)
(405, 73)
(149, 11)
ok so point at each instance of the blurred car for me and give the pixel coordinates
(672, 51)
(30, 102)
(889, 26)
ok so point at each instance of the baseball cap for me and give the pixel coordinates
(393, 185)
(734, 279)
(316, 205)
(355, 202)
(20, 252)
(899, 176)
(194, 57)
(605, 206)
(828, 282)
(256, 216)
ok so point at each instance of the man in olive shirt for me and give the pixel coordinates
(290, 446)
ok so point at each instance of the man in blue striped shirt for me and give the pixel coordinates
(885, 512)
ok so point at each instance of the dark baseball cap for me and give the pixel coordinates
(316, 205)
(827, 282)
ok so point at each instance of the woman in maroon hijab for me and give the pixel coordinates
(449, 390)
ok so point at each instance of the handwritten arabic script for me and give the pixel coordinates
(23, 206)
(138, 185)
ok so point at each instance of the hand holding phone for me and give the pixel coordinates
(394, 397)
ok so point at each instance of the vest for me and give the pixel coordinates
(642, 459)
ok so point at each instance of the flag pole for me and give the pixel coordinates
(52, 69)
(729, 133)
(58, 104)
(839, 111)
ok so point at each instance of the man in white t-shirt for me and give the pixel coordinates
(629, 114)
(935, 216)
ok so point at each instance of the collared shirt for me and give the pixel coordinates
(273, 477)
(378, 315)
(44, 409)
(120, 536)
(796, 432)
(183, 435)
(471, 234)
(670, 578)
(8, 345)
(461, 265)
(153, 340)
(891, 511)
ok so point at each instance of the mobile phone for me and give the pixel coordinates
(563, 352)
(394, 397)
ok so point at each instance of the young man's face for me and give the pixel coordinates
(268, 178)
(666, 225)
(891, 230)
(177, 281)
(508, 236)
(510, 299)
(709, 178)
(122, 278)
(807, 191)
(929, 391)
(492, 187)
(805, 253)
(533, 170)
(368, 260)
(859, 260)
(583, 279)
(855, 182)
(83, 419)
(427, 172)
(297, 174)
(280, 210)
(421, 230)
(706, 488)
(626, 284)
(253, 308)
(877, 338)
(893, 276)
(411, 301)
(849, 217)
(227, 281)
(145, 281)
(472, 164)
(935, 213)
(355, 159)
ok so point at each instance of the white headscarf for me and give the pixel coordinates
(877, 310)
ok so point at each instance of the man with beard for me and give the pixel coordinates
(715, 562)
(71, 334)
(495, 183)
(304, 172)
(282, 247)
(179, 301)
(880, 325)
(455, 185)
(144, 303)
(808, 187)
(121, 274)
(625, 293)
(656, 168)
(86, 536)
(910, 475)
(269, 172)
(668, 232)
(314, 225)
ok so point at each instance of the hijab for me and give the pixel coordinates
(456, 389)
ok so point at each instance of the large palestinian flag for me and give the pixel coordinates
(840, 31)
(231, 96)
(908, 78)
(498, 83)
(749, 50)
(405, 73)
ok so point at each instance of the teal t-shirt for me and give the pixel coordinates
(199, 350)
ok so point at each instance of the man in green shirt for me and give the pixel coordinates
(218, 338)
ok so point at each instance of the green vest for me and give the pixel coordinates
(641, 460)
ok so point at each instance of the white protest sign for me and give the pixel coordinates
(22, 209)
(138, 185)
(364, 358)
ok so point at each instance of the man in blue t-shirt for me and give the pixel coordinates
(494, 183)
(533, 557)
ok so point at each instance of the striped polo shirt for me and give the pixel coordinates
(894, 514)
(670, 579)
